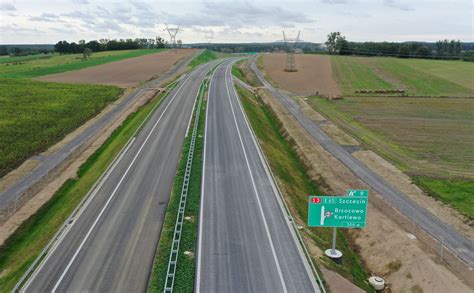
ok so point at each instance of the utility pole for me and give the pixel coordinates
(173, 31)
(290, 44)
(209, 38)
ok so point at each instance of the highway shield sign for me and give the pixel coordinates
(357, 192)
(337, 211)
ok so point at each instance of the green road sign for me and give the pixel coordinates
(337, 211)
(357, 192)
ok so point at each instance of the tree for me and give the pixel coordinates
(423, 51)
(179, 43)
(336, 42)
(404, 51)
(160, 42)
(87, 53)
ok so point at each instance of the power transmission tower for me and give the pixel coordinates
(290, 44)
(209, 38)
(173, 31)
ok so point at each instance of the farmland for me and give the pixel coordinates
(427, 138)
(417, 77)
(38, 65)
(314, 74)
(124, 73)
(427, 133)
(35, 115)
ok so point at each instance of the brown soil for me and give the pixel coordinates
(126, 73)
(383, 241)
(314, 74)
(32, 205)
(337, 283)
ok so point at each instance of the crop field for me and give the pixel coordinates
(429, 138)
(39, 65)
(314, 74)
(124, 73)
(418, 77)
(34, 115)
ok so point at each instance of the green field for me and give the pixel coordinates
(35, 115)
(25, 244)
(427, 137)
(457, 192)
(26, 58)
(296, 184)
(419, 77)
(34, 66)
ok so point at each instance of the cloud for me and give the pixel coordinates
(336, 1)
(45, 17)
(14, 29)
(238, 15)
(398, 5)
(85, 2)
(7, 7)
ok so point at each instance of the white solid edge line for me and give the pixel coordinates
(191, 117)
(267, 230)
(82, 209)
(280, 201)
(88, 199)
(201, 208)
(116, 188)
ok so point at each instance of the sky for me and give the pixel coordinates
(47, 22)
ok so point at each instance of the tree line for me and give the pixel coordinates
(445, 49)
(23, 50)
(64, 47)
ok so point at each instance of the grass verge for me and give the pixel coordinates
(25, 244)
(204, 57)
(455, 192)
(292, 176)
(242, 71)
(35, 115)
(185, 270)
(34, 67)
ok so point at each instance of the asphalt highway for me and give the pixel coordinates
(245, 240)
(456, 242)
(110, 246)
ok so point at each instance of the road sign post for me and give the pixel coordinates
(338, 211)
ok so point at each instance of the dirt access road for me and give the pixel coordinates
(314, 74)
(126, 73)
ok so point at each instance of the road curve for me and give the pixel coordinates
(456, 242)
(245, 240)
(111, 244)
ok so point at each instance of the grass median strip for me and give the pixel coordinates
(292, 176)
(25, 244)
(185, 270)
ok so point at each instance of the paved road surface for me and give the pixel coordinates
(458, 243)
(245, 241)
(49, 163)
(111, 245)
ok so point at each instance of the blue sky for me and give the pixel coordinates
(39, 21)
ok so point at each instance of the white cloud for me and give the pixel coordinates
(7, 7)
(236, 21)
